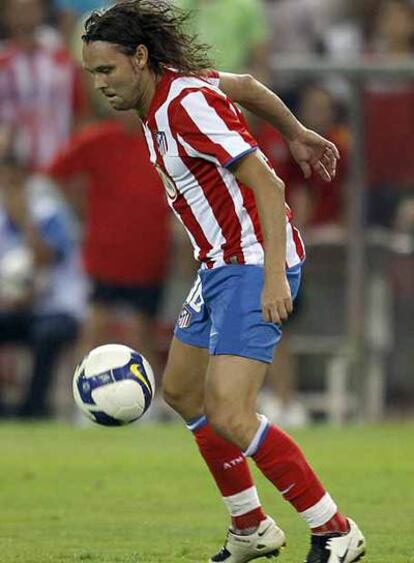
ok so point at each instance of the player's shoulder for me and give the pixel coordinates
(179, 92)
(193, 91)
(182, 85)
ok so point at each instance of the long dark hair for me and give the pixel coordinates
(155, 24)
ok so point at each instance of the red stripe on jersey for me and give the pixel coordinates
(184, 211)
(219, 199)
(300, 249)
(222, 205)
(195, 137)
(203, 144)
(249, 203)
(191, 224)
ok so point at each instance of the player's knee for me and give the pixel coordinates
(229, 425)
(183, 402)
(173, 397)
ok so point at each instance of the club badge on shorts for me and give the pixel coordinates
(184, 318)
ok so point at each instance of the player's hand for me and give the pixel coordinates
(313, 153)
(276, 298)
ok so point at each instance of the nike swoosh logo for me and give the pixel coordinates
(260, 534)
(343, 557)
(288, 489)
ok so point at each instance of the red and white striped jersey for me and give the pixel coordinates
(194, 134)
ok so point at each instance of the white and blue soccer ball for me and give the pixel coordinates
(113, 385)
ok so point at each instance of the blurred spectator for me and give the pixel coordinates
(41, 286)
(126, 229)
(315, 203)
(296, 26)
(389, 107)
(348, 35)
(41, 89)
(35, 12)
(236, 30)
(317, 206)
(70, 11)
(298, 29)
(393, 28)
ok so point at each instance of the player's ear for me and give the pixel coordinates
(141, 56)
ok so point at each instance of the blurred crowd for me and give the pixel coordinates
(88, 251)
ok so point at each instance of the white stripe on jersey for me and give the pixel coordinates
(150, 144)
(177, 86)
(252, 251)
(291, 253)
(153, 158)
(249, 245)
(193, 152)
(206, 118)
(201, 208)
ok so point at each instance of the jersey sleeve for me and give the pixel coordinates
(209, 126)
(213, 78)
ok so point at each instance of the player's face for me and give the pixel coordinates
(120, 78)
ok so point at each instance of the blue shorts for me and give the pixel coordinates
(223, 312)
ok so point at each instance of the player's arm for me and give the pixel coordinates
(269, 192)
(311, 151)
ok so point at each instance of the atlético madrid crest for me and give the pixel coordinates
(162, 144)
(184, 318)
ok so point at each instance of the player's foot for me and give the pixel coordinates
(266, 541)
(338, 548)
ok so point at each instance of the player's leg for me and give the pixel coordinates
(231, 388)
(232, 383)
(183, 385)
(183, 379)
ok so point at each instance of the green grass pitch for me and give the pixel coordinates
(142, 495)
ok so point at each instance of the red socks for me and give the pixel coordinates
(282, 462)
(229, 468)
(337, 524)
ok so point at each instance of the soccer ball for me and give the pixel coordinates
(113, 385)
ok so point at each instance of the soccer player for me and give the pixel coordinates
(231, 203)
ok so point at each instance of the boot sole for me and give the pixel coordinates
(272, 554)
(360, 557)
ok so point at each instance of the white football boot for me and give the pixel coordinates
(266, 541)
(338, 548)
